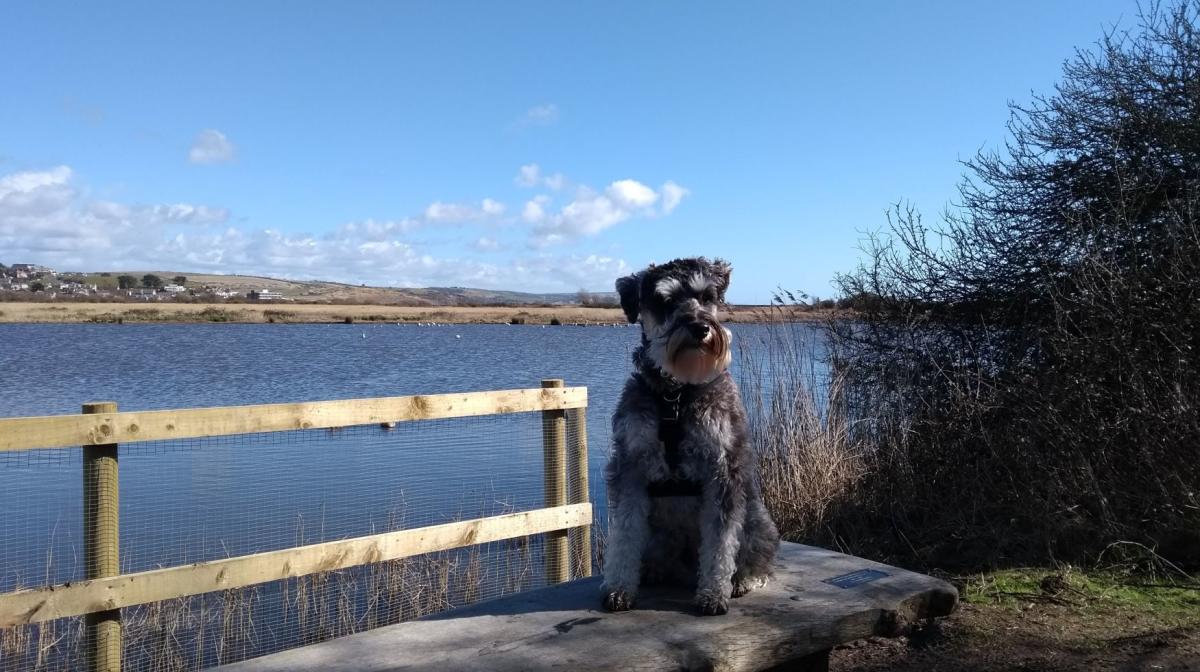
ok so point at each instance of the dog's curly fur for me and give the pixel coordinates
(721, 539)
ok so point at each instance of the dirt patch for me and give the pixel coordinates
(1052, 622)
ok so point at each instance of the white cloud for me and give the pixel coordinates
(371, 229)
(535, 209)
(458, 213)
(492, 208)
(632, 194)
(386, 263)
(555, 181)
(672, 194)
(18, 183)
(591, 213)
(177, 213)
(572, 272)
(530, 175)
(47, 218)
(44, 217)
(449, 212)
(35, 193)
(211, 146)
(540, 115)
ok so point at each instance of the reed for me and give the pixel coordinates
(810, 460)
(229, 626)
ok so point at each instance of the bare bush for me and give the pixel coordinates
(593, 300)
(1026, 370)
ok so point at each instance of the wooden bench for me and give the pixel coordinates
(818, 599)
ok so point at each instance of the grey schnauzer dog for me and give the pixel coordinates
(683, 493)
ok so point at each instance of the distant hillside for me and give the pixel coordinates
(334, 292)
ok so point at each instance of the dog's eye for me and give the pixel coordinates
(708, 296)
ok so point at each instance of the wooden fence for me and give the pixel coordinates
(100, 429)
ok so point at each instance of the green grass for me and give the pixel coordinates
(1053, 618)
(1167, 600)
(102, 282)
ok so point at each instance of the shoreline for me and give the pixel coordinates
(314, 313)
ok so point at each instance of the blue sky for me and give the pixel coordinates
(536, 146)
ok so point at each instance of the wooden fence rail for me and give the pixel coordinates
(126, 590)
(100, 429)
(61, 431)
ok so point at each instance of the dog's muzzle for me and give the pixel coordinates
(698, 349)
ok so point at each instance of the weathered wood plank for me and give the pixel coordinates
(58, 431)
(563, 628)
(42, 604)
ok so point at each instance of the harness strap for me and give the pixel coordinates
(670, 435)
(674, 487)
(669, 432)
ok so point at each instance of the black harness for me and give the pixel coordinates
(670, 435)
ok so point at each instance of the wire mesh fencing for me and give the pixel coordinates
(190, 501)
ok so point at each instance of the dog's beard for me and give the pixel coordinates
(696, 362)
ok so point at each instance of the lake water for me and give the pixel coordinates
(194, 500)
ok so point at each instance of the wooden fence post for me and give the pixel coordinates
(581, 537)
(554, 446)
(101, 542)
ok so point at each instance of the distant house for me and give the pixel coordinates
(217, 292)
(32, 268)
(77, 288)
(71, 288)
(144, 293)
(174, 289)
(264, 295)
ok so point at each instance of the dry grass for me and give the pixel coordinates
(219, 628)
(299, 312)
(330, 313)
(810, 463)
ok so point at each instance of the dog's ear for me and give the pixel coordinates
(629, 289)
(721, 270)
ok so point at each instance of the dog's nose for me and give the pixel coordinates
(699, 331)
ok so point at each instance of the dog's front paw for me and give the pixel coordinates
(618, 600)
(708, 604)
(745, 584)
